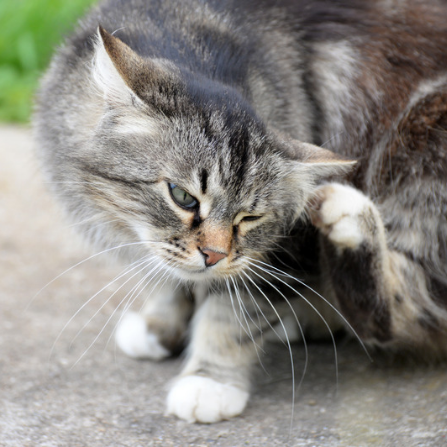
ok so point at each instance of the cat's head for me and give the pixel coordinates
(184, 165)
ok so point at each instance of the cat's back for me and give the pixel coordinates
(320, 71)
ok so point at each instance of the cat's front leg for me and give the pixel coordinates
(160, 329)
(214, 385)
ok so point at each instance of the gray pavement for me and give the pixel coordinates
(56, 390)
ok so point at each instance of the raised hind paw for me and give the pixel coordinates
(134, 339)
(345, 215)
(201, 399)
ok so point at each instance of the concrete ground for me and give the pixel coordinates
(63, 384)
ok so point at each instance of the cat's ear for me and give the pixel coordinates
(324, 163)
(317, 163)
(120, 73)
(110, 67)
(307, 166)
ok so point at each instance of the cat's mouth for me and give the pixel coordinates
(199, 274)
(198, 270)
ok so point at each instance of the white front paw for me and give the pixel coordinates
(135, 340)
(201, 399)
(343, 214)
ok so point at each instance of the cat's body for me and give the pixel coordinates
(184, 147)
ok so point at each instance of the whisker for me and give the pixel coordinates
(288, 344)
(244, 312)
(82, 262)
(101, 331)
(333, 137)
(82, 222)
(126, 272)
(68, 183)
(256, 307)
(132, 295)
(147, 263)
(306, 361)
(136, 294)
(235, 314)
(262, 313)
(319, 295)
(166, 276)
(310, 304)
(259, 321)
(238, 296)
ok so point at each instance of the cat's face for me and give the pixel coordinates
(206, 202)
(184, 168)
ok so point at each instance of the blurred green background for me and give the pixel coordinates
(29, 32)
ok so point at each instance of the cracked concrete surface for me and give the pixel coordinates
(60, 386)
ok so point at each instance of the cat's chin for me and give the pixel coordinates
(199, 275)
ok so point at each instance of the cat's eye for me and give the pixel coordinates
(182, 198)
(250, 218)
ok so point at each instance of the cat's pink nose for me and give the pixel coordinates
(212, 257)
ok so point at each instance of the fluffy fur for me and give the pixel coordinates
(230, 101)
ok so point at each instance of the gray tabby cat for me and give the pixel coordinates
(184, 135)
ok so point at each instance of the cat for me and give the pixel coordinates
(266, 166)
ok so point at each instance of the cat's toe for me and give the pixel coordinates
(201, 399)
(344, 214)
(133, 338)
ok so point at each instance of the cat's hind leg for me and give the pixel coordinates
(382, 292)
(159, 330)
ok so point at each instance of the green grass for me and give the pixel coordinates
(29, 32)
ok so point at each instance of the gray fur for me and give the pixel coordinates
(227, 100)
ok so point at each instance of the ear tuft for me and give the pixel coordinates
(126, 62)
(123, 75)
(109, 68)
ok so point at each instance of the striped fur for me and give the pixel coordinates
(226, 104)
